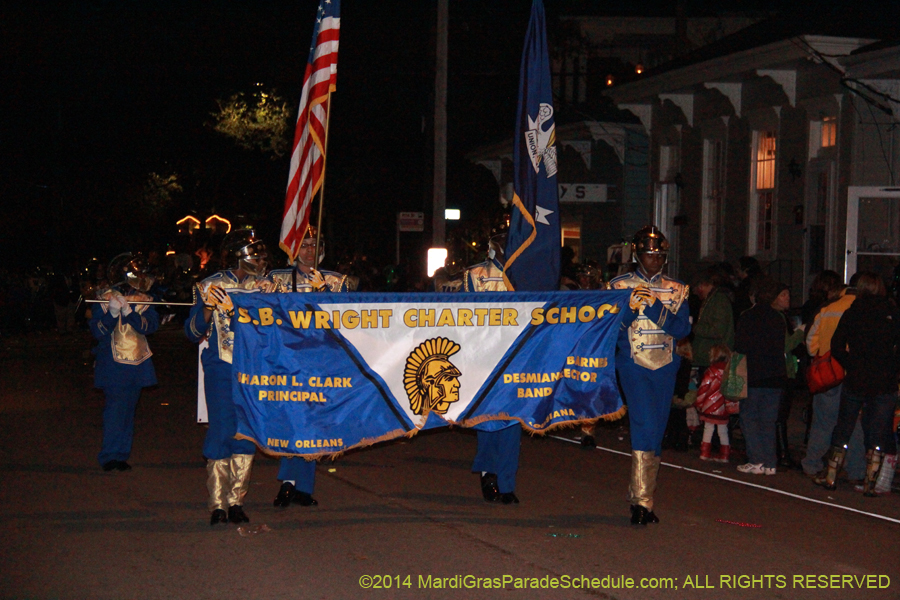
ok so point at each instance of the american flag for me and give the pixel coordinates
(308, 155)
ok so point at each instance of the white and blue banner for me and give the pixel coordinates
(318, 374)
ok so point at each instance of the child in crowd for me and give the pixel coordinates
(714, 409)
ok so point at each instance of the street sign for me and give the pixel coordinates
(582, 192)
(410, 221)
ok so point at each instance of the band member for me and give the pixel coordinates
(646, 361)
(123, 365)
(297, 475)
(497, 457)
(228, 460)
(449, 278)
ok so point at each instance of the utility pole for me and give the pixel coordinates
(440, 127)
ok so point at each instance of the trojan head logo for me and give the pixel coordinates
(430, 379)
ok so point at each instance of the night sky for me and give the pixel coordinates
(99, 94)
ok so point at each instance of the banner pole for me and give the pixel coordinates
(322, 189)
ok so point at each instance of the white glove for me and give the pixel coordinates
(115, 304)
(317, 281)
(126, 307)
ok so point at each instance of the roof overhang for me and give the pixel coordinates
(783, 55)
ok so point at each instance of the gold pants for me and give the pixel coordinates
(228, 480)
(644, 468)
(217, 480)
(241, 465)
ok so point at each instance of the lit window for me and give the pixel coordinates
(765, 161)
(829, 131)
(763, 210)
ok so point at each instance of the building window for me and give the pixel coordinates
(762, 209)
(713, 195)
(829, 131)
(570, 79)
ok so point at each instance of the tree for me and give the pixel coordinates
(258, 122)
(156, 195)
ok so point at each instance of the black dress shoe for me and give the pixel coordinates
(652, 518)
(285, 494)
(218, 516)
(489, 488)
(236, 514)
(639, 515)
(588, 441)
(121, 465)
(110, 465)
(509, 498)
(304, 499)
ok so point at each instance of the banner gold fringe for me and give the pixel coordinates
(468, 423)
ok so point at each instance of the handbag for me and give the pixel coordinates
(734, 383)
(824, 373)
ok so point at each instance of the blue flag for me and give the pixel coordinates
(533, 245)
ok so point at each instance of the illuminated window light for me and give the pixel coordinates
(217, 218)
(436, 259)
(451, 214)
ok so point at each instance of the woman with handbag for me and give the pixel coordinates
(826, 400)
(760, 336)
(866, 344)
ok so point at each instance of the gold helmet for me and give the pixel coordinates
(649, 240)
(130, 268)
(243, 249)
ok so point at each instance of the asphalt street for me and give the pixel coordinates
(399, 520)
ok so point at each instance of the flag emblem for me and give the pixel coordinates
(541, 140)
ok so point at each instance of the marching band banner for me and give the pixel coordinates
(318, 374)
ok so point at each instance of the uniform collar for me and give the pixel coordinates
(653, 279)
(234, 277)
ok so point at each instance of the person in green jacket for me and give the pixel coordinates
(715, 323)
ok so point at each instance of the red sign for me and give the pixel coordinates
(411, 221)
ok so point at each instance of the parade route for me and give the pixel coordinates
(403, 519)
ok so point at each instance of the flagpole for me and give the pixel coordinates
(322, 188)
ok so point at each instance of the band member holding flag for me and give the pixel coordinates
(305, 179)
(123, 366)
(646, 361)
(497, 457)
(525, 251)
(228, 460)
(298, 476)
